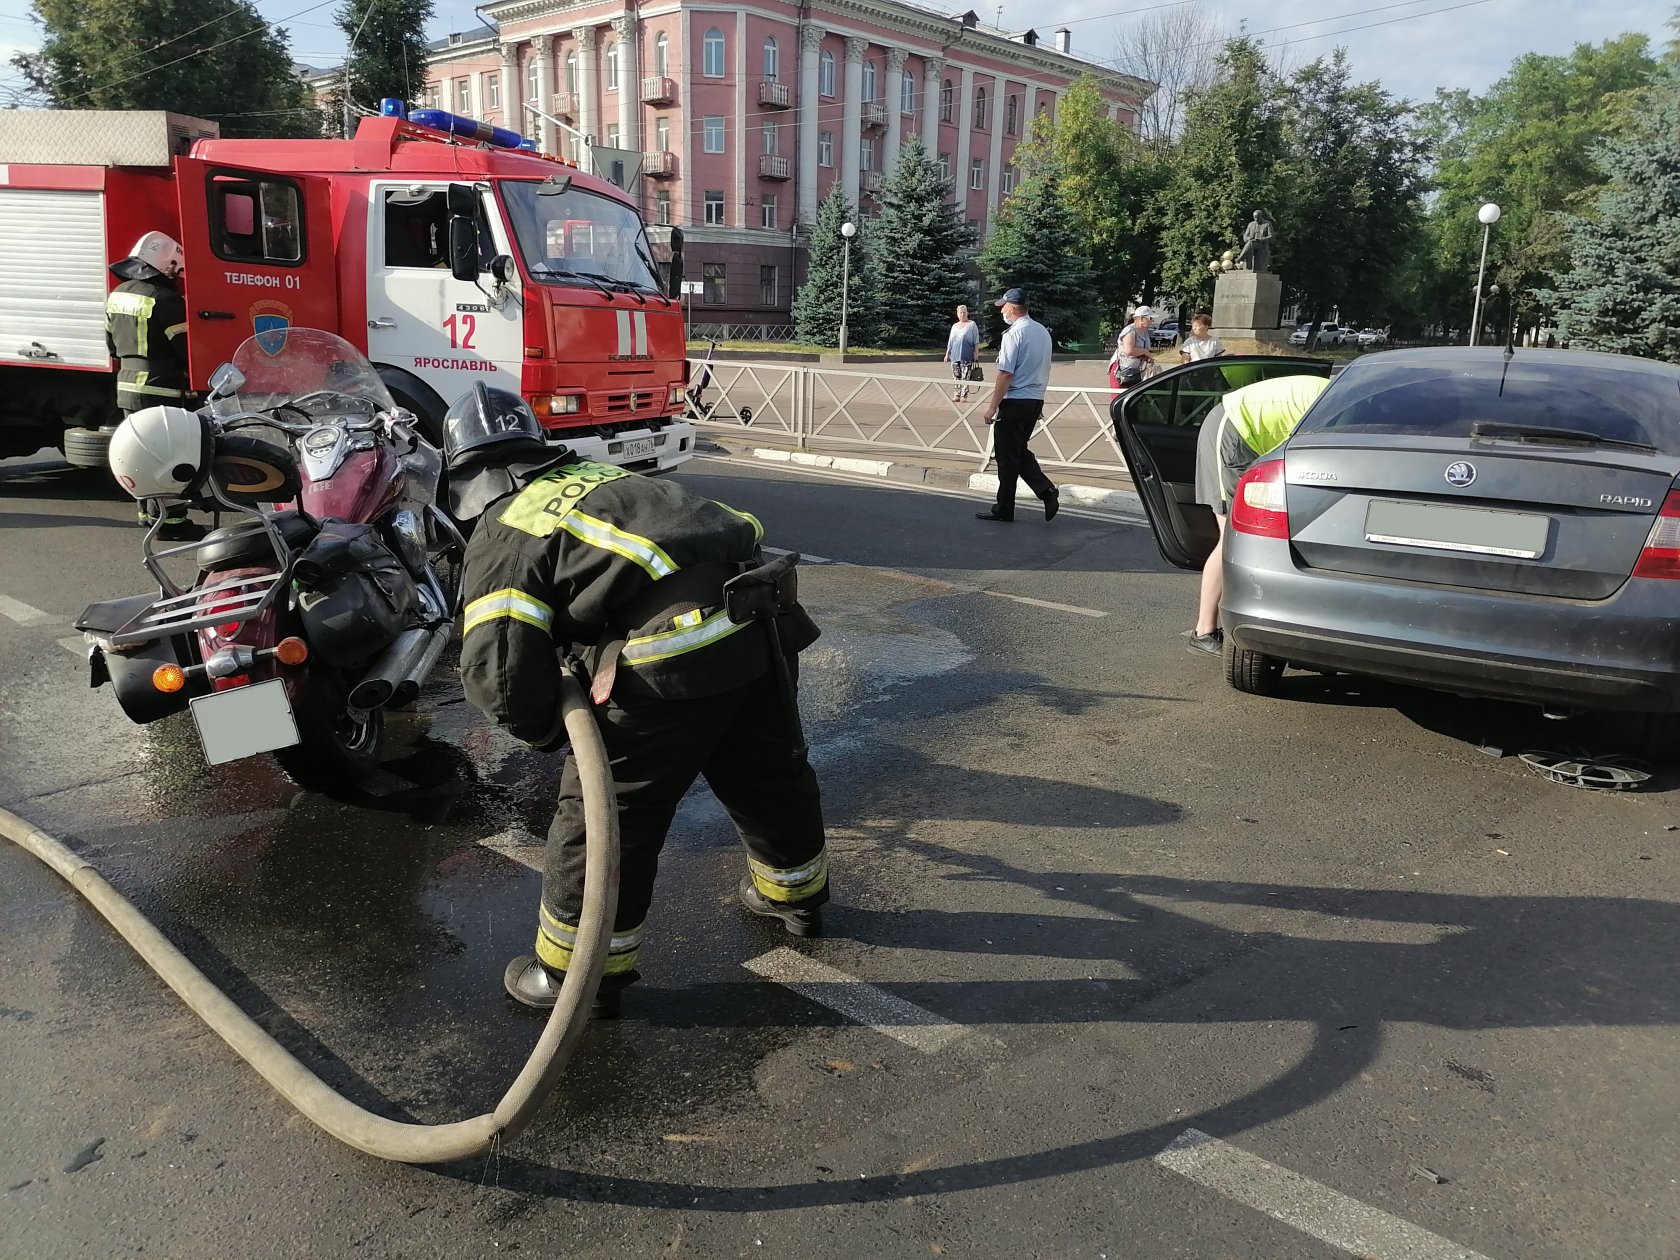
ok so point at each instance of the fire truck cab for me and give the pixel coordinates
(445, 253)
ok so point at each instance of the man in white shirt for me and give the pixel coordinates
(1017, 401)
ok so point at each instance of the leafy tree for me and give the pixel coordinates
(1223, 169)
(816, 307)
(1352, 170)
(1622, 290)
(916, 251)
(387, 51)
(1037, 246)
(214, 59)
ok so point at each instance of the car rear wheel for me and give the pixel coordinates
(1252, 672)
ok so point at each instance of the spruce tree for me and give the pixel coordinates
(816, 307)
(916, 251)
(1036, 247)
(387, 51)
(1621, 292)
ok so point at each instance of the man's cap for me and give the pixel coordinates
(1144, 312)
(1012, 297)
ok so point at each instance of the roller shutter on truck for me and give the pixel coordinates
(52, 277)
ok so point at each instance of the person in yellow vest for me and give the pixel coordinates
(146, 333)
(574, 559)
(1241, 429)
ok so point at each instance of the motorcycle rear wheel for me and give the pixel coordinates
(335, 750)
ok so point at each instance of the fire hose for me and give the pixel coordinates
(319, 1102)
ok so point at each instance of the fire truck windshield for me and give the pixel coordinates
(578, 237)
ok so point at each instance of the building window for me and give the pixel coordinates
(662, 205)
(1008, 180)
(945, 167)
(662, 55)
(714, 278)
(612, 135)
(772, 59)
(574, 148)
(980, 109)
(866, 154)
(714, 207)
(492, 91)
(767, 286)
(825, 148)
(947, 102)
(571, 73)
(533, 80)
(977, 173)
(1011, 114)
(712, 129)
(907, 93)
(662, 135)
(767, 213)
(771, 134)
(612, 67)
(869, 80)
(825, 73)
(712, 46)
(463, 96)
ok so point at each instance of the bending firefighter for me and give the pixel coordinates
(146, 331)
(571, 558)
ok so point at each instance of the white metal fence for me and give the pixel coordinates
(741, 332)
(807, 405)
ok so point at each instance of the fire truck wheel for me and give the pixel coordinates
(88, 448)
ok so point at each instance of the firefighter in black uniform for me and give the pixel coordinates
(627, 572)
(146, 332)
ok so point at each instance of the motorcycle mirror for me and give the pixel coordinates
(463, 248)
(226, 381)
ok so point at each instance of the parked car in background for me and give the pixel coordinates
(1164, 334)
(1491, 524)
(1373, 337)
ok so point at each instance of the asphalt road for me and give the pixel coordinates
(1121, 963)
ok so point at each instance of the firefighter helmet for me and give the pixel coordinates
(155, 252)
(485, 432)
(160, 452)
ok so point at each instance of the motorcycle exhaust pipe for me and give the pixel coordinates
(398, 661)
(408, 690)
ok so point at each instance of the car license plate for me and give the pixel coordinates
(244, 721)
(641, 448)
(1482, 531)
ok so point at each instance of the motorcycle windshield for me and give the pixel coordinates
(314, 371)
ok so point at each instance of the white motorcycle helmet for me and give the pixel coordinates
(160, 453)
(155, 250)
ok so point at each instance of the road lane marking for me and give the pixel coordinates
(862, 1003)
(954, 588)
(1044, 603)
(75, 645)
(24, 614)
(1314, 1209)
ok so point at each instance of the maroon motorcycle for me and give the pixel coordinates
(329, 597)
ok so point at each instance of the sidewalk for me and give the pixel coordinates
(1106, 491)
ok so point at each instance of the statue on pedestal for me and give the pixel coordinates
(1257, 243)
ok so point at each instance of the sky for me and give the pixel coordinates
(1411, 48)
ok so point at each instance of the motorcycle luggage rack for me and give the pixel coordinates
(238, 600)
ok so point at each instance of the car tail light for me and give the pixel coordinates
(1661, 557)
(1258, 506)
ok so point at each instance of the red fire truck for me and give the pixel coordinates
(447, 259)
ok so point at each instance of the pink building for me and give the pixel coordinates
(746, 114)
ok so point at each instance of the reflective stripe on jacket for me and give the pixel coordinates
(145, 331)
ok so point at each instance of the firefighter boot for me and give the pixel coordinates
(531, 984)
(798, 922)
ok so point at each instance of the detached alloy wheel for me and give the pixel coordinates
(1252, 672)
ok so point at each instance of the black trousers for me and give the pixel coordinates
(1011, 431)
(741, 742)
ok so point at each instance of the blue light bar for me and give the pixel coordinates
(393, 107)
(467, 128)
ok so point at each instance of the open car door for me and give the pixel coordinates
(259, 257)
(1157, 424)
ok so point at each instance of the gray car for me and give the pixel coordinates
(1490, 523)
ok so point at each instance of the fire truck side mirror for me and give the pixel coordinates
(463, 200)
(675, 284)
(463, 248)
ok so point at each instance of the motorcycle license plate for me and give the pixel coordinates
(244, 721)
(641, 448)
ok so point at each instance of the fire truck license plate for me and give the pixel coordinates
(641, 448)
(244, 721)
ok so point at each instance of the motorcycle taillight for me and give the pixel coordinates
(230, 682)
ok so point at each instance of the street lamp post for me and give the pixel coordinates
(1489, 215)
(847, 230)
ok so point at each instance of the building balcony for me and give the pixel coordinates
(875, 114)
(872, 181)
(771, 166)
(564, 105)
(775, 95)
(658, 90)
(660, 165)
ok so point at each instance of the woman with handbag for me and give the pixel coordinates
(961, 346)
(1132, 359)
